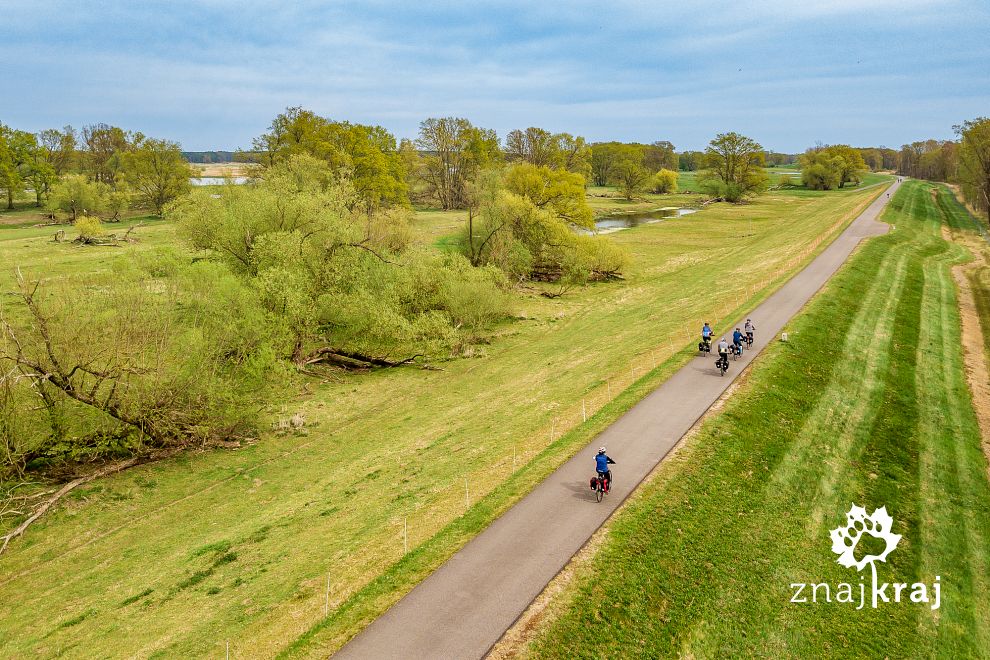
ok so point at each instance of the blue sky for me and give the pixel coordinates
(211, 74)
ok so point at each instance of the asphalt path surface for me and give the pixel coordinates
(465, 606)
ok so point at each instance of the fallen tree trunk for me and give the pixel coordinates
(351, 360)
(62, 492)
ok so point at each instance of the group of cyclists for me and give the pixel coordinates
(739, 337)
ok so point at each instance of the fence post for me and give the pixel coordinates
(467, 494)
(584, 412)
(405, 535)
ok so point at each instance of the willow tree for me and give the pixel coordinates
(156, 170)
(368, 154)
(734, 167)
(454, 152)
(338, 285)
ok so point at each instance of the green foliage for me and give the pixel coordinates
(328, 276)
(130, 359)
(831, 167)
(89, 227)
(525, 227)
(104, 147)
(75, 195)
(734, 168)
(456, 153)
(664, 182)
(367, 154)
(631, 177)
(15, 161)
(539, 147)
(974, 162)
(559, 191)
(157, 172)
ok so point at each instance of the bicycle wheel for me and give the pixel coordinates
(599, 492)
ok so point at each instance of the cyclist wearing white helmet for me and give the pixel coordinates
(602, 461)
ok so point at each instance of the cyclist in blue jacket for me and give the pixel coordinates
(737, 340)
(602, 461)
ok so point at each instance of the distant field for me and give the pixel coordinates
(220, 169)
(866, 403)
(175, 558)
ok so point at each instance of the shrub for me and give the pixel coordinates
(89, 227)
(664, 182)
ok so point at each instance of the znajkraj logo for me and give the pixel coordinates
(845, 540)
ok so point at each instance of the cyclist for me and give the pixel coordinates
(750, 329)
(723, 352)
(706, 335)
(737, 340)
(602, 461)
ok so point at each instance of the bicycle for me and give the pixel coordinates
(705, 345)
(749, 339)
(722, 363)
(600, 485)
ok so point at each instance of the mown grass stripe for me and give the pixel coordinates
(700, 562)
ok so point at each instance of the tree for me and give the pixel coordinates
(156, 170)
(555, 150)
(660, 155)
(528, 237)
(974, 161)
(75, 195)
(556, 190)
(455, 152)
(604, 158)
(336, 284)
(689, 161)
(664, 182)
(607, 156)
(368, 153)
(39, 172)
(827, 167)
(734, 167)
(104, 146)
(534, 145)
(59, 148)
(631, 177)
(575, 154)
(15, 158)
(851, 164)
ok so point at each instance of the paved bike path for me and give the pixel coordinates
(464, 607)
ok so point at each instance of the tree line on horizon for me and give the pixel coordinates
(964, 161)
(100, 170)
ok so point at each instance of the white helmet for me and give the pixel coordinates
(601, 450)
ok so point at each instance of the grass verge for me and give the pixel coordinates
(866, 403)
(378, 450)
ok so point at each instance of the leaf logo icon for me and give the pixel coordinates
(845, 539)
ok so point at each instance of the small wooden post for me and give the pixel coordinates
(584, 412)
(405, 535)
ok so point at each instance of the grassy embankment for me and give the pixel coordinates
(866, 403)
(178, 557)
